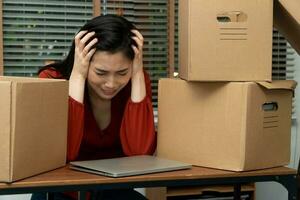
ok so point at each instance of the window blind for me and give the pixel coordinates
(283, 61)
(39, 31)
(282, 58)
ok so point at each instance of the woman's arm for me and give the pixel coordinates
(82, 57)
(137, 128)
(138, 87)
(138, 135)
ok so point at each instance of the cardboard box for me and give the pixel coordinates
(234, 126)
(33, 126)
(287, 21)
(225, 40)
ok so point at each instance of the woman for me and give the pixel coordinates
(110, 109)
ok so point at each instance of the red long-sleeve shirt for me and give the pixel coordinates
(130, 132)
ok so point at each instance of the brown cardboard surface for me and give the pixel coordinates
(279, 84)
(5, 130)
(287, 21)
(268, 137)
(28, 79)
(211, 49)
(223, 125)
(36, 132)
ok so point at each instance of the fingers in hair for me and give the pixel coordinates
(88, 47)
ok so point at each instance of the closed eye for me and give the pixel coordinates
(101, 72)
(123, 72)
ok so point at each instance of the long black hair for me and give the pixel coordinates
(114, 35)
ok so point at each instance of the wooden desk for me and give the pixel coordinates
(65, 179)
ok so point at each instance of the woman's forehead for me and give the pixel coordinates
(110, 61)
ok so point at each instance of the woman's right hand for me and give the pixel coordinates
(83, 53)
(82, 57)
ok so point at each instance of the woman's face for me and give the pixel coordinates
(108, 74)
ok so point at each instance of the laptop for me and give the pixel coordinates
(128, 166)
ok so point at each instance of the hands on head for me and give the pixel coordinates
(138, 52)
(83, 52)
(85, 49)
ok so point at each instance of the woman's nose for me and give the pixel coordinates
(110, 82)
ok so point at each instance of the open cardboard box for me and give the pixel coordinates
(234, 126)
(33, 126)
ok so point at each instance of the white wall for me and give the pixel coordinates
(297, 103)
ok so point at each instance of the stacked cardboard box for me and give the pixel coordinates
(241, 123)
(227, 40)
(33, 126)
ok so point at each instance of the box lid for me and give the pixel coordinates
(279, 84)
(287, 21)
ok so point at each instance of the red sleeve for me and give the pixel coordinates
(75, 119)
(50, 73)
(44, 74)
(75, 128)
(137, 129)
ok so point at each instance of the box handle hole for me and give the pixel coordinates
(223, 19)
(270, 106)
(232, 16)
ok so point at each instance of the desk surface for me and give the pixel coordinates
(67, 177)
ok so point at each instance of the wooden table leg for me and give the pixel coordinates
(81, 195)
(237, 192)
(50, 196)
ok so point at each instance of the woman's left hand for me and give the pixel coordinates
(137, 67)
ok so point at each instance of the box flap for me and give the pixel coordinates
(5, 131)
(287, 21)
(293, 7)
(279, 84)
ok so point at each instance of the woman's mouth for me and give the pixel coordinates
(109, 92)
